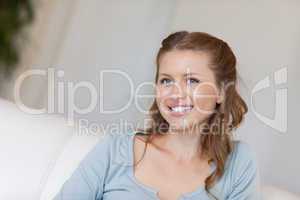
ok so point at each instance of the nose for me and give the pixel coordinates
(178, 90)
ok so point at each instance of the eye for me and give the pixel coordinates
(192, 81)
(165, 81)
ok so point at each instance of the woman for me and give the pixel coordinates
(188, 152)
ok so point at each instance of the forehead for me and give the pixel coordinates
(180, 62)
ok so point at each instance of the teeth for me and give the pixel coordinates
(181, 108)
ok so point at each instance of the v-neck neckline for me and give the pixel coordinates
(154, 191)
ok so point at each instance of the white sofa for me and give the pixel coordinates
(39, 152)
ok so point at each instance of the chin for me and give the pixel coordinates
(179, 125)
(185, 124)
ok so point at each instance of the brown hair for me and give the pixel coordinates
(216, 144)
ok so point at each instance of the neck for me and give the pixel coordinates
(182, 145)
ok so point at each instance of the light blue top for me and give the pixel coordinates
(106, 173)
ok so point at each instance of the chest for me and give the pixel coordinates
(171, 180)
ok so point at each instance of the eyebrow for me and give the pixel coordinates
(186, 74)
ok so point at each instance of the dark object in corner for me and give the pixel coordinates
(14, 16)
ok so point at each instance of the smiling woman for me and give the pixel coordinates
(176, 158)
(196, 88)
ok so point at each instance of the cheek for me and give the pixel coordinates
(205, 99)
(160, 95)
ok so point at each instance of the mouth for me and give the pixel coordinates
(180, 110)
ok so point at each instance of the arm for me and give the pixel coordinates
(86, 182)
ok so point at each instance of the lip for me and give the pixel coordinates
(178, 104)
(179, 114)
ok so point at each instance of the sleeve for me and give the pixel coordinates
(246, 181)
(87, 181)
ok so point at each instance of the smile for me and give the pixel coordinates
(179, 111)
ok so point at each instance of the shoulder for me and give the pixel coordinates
(100, 151)
(242, 151)
(109, 153)
(242, 154)
(108, 143)
(242, 159)
(242, 170)
(114, 149)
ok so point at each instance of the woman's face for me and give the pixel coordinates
(186, 92)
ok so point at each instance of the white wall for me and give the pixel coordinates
(126, 34)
